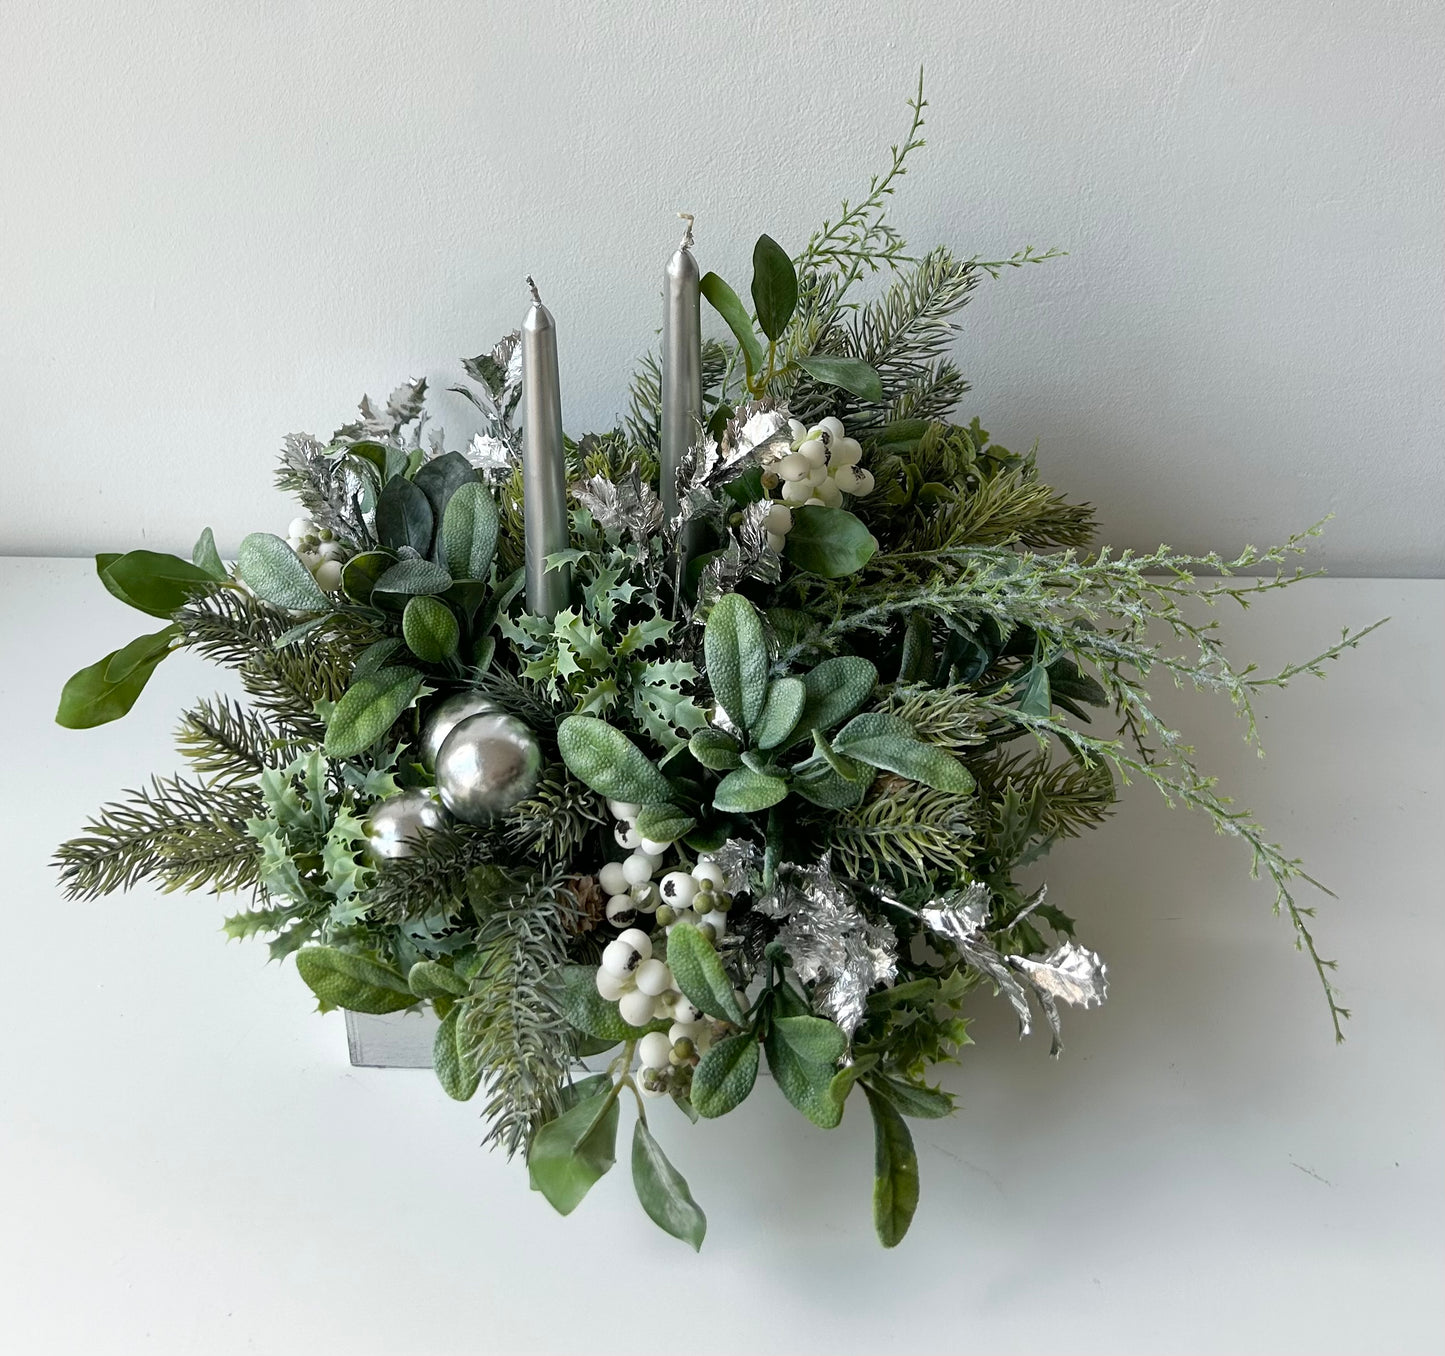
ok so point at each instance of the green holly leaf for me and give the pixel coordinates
(568, 1155)
(1037, 699)
(663, 1191)
(912, 1099)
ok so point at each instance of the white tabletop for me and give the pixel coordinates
(189, 1164)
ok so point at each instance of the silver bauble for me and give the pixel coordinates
(395, 824)
(486, 765)
(445, 718)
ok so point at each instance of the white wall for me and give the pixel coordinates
(222, 223)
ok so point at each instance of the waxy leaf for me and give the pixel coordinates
(610, 763)
(404, 516)
(107, 689)
(828, 542)
(368, 709)
(275, 573)
(775, 287)
(699, 973)
(663, 1191)
(727, 304)
(568, 1155)
(895, 1172)
(725, 1075)
(342, 979)
(360, 573)
(153, 581)
(440, 478)
(850, 374)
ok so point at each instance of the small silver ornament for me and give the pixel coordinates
(486, 765)
(445, 718)
(395, 824)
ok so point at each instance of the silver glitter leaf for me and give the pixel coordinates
(1069, 972)
(627, 507)
(493, 457)
(739, 861)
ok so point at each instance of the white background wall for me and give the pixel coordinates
(222, 223)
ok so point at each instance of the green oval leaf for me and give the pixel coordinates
(726, 303)
(91, 697)
(342, 979)
(835, 689)
(431, 979)
(1037, 698)
(715, 749)
(431, 630)
(440, 478)
(412, 577)
(205, 556)
(663, 1191)
(912, 1099)
(143, 651)
(725, 1075)
(154, 581)
(803, 1054)
(746, 791)
(404, 516)
(895, 1172)
(275, 573)
(849, 374)
(699, 973)
(664, 823)
(735, 648)
(360, 573)
(610, 763)
(775, 287)
(888, 742)
(786, 699)
(368, 709)
(469, 532)
(458, 1074)
(377, 655)
(828, 542)
(569, 1154)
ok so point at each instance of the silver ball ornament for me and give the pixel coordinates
(486, 765)
(445, 718)
(395, 824)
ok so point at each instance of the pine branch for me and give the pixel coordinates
(179, 833)
(222, 737)
(904, 831)
(557, 819)
(434, 877)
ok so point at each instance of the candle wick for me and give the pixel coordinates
(687, 235)
(536, 296)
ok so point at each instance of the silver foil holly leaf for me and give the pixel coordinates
(406, 403)
(1069, 972)
(627, 507)
(739, 861)
(327, 486)
(493, 457)
(831, 943)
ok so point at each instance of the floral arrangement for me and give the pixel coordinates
(759, 782)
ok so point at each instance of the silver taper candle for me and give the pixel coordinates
(544, 467)
(681, 366)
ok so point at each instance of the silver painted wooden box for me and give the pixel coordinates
(395, 1040)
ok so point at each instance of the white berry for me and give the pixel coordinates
(779, 518)
(716, 922)
(794, 466)
(653, 1050)
(847, 479)
(621, 909)
(653, 977)
(613, 879)
(845, 452)
(865, 482)
(814, 452)
(797, 428)
(611, 986)
(833, 427)
(829, 493)
(301, 527)
(653, 847)
(678, 888)
(645, 897)
(624, 809)
(685, 1011)
(328, 576)
(639, 941)
(636, 1008)
(637, 868)
(796, 492)
(710, 872)
(626, 835)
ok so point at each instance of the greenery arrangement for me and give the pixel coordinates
(762, 793)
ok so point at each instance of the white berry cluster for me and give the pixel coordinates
(319, 550)
(820, 467)
(628, 883)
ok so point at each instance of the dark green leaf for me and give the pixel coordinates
(1066, 679)
(725, 1075)
(736, 651)
(469, 532)
(368, 709)
(917, 664)
(912, 1099)
(360, 573)
(274, 572)
(404, 516)
(458, 1075)
(1037, 700)
(431, 630)
(89, 698)
(828, 542)
(850, 374)
(747, 488)
(205, 556)
(824, 787)
(699, 973)
(440, 478)
(895, 1172)
(610, 763)
(154, 582)
(775, 287)
(664, 823)
(746, 792)
(663, 1190)
(571, 1153)
(726, 303)
(342, 979)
